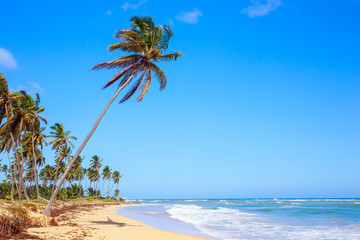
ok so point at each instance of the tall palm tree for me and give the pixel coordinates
(36, 138)
(147, 45)
(6, 99)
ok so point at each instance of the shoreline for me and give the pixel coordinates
(83, 222)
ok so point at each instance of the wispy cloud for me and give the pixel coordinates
(108, 12)
(261, 7)
(7, 60)
(31, 88)
(133, 6)
(190, 17)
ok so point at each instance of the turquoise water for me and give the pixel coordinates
(229, 219)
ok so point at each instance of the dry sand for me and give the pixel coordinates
(92, 223)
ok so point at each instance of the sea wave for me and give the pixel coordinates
(230, 224)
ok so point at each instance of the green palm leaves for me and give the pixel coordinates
(60, 136)
(147, 44)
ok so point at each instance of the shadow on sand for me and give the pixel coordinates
(119, 224)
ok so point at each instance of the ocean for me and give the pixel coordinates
(275, 219)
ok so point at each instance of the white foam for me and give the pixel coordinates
(231, 224)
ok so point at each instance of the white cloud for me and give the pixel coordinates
(261, 7)
(7, 60)
(190, 17)
(108, 12)
(133, 6)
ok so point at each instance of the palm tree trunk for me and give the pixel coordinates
(80, 182)
(22, 170)
(103, 186)
(35, 170)
(46, 211)
(55, 178)
(16, 184)
(12, 178)
(109, 189)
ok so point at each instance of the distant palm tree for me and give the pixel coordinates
(47, 174)
(78, 169)
(116, 178)
(62, 154)
(94, 176)
(147, 45)
(60, 137)
(106, 173)
(116, 193)
(95, 164)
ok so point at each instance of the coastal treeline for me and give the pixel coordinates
(24, 168)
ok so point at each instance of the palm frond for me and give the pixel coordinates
(170, 57)
(165, 38)
(145, 86)
(160, 75)
(133, 89)
(118, 76)
(4, 88)
(132, 37)
(122, 62)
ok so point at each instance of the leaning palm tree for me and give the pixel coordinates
(146, 43)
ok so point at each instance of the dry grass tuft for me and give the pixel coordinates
(10, 225)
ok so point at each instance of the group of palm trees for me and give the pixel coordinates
(146, 45)
(22, 140)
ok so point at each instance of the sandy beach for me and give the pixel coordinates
(92, 223)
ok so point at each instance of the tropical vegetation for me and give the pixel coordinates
(22, 136)
(22, 140)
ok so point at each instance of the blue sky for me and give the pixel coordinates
(264, 103)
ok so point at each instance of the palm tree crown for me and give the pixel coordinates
(147, 44)
(60, 137)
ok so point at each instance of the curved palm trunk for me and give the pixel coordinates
(47, 210)
(35, 170)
